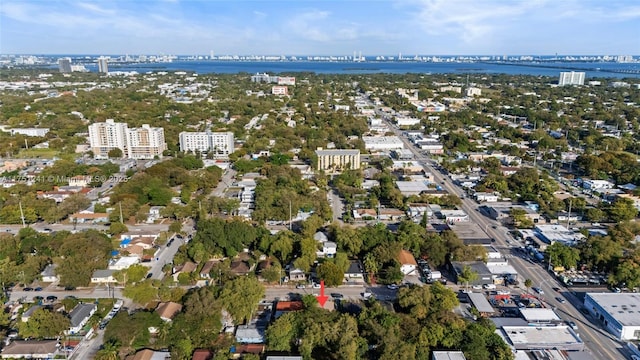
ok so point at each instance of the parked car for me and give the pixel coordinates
(337, 296)
(300, 286)
(538, 290)
(561, 300)
(572, 325)
(392, 287)
(27, 289)
(38, 289)
(489, 286)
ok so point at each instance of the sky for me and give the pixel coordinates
(303, 27)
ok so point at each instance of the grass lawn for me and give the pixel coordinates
(37, 154)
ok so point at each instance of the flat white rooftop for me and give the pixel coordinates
(539, 314)
(448, 355)
(543, 337)
(624, 307)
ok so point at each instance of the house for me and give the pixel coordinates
(188, 267)
(130, 235)
(154, 214)
(103, 277)
(48, 275)
(205, 272)
(202, 354)
(148, 354)
(79, 317)
(30, 349)
(123, 262)
(329, 249)
(364, 214)
(390, 214)
(250, 334)
(89, 218)
(407, 262)
(167, 310)
(283, 307)
(27, 314)
(320, 237)
(297, 275)
(355, 272)
(240, 266)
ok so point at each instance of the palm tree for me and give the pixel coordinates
(527, 284)
(108, 352)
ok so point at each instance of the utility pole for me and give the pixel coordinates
(120, 206)
(569, 215)
(289, 215)
(22, 215)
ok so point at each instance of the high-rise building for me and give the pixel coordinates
(64, 64)
(221, 143)
(136, 143)
(103, 65)
(571, 78)
(106, 136)
(336, 160)
(145, 142)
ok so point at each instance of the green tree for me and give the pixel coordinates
(142, 292)
(43, 324)
(467, 275)
(175, 227)
(527, 284)
(240, 297)
(115, 153)
(330, 273)
(117, 228)
(622, 210)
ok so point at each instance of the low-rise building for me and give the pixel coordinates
(30, 349)
(336, 160)
(542, 337)
(79, 317)
(619, 313)
(407, 262)
(382, 143)
(123, 262)
(103, 277)
(597, 185)
(486, 197)
(453, 216)
(167, 310)
(48, 275)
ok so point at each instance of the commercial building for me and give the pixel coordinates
(221, 143)
(36, 132)
(448, 355)
(619, 313)
(336, 160)
(279, 90)
(557, 233)
(382, 143)
(571, 78)
(103, 65)
(542, 337)
(64, 64)
(145, 142)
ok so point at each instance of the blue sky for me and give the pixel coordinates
(494, 27)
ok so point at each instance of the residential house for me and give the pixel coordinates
(167, 310)
(364, 214)
(202, 354)
(89, 218)
(79, 317)
(124, 262)
(240, 265)
(283, 307)
(148, 354)
(355, 272)
(205, 272)
(250, 334)
(103, 277)
(154, 214)
(48, 275)
(390, 214)
(297, 275)
(329, 249)
(27, 314)
(407, 262)
(30, 349)
(188, 267)
(130, 235)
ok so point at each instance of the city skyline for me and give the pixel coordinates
(325, 28)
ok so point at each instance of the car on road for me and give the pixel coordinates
(38, 298)
(477, 287)
(561, 300)
(316, 286)
(27, 289)
(300, 286)
(149, 275)
(392, 287)
(69, 288)
(489, 286)
(572, 325)
(337, 296)
(556, 289)
(52, 298)
(538, 290)
(38, 289)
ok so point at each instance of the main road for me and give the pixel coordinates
(597, 340)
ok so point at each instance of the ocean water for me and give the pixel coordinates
(552, 69)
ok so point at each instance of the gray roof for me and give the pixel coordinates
(49, 270)
(623, 307)
(81, 312)
(448, 355)
(320, 236)
(480, 302)
(31, 348)
(102, 273)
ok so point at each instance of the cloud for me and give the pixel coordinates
(95, 8)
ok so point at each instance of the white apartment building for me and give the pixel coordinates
(136, 143)
(222, 143)
(37, 132)
(145, 142)
(286, 80)
(571, 78)
(106, 136)
(338, 159)
(279, 90)
(103, 65)
(473, 91)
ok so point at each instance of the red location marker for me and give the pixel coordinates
(322, 298)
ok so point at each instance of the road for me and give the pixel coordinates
(41, 226)
(165, 256)
(598, 341)
(337, 207)
(348, 292)
(225, 182)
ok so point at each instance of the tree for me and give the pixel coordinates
(117, 228)
(467, 275)
(280, 334)
(527, 284)
(330, 273)
(240, 297)
(622, 210)
(44, 323)
(115, 153)
(142, 292)
(175, 227)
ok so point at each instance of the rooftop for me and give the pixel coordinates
(542, 337)
(448, 355)
(81, 312)
(480, 302)
(624, 307)
(530, 314)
